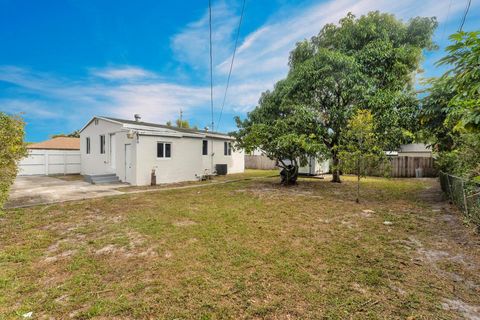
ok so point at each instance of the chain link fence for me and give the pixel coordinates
(465, 194)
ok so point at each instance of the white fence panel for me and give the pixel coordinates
(49, 162)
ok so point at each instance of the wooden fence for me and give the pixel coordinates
(399, 167)
(404, 167)
(259, 162)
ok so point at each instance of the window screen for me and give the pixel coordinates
(102, 144)
(205, 147)
(168, 150)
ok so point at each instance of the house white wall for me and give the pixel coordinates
(95, 162)
(186, 159)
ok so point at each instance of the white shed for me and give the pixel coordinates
(128, 150)
(315, 166)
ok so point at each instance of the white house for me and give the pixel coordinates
(128, 150)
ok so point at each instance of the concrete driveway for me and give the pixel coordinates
(34, 190)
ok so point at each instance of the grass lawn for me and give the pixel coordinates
(247, 249)
(248, 174)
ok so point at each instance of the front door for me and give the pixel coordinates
(128, 163)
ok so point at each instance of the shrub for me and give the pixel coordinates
(12, 149)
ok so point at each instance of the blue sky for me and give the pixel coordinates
(61, 62)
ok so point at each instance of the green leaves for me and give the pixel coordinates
(12, 149)
(365, 63)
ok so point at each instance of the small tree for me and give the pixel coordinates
(284, 131)
(12, 149)
(182, 123)
(360, 149)
(74, 134)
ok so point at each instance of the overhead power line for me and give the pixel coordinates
(231, 64)
(211, 78)
(465, 15)
(211, 56)
(446, 20)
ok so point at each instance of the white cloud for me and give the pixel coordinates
(28, 108)
(157, 101)
(261, 60)
(122, 73)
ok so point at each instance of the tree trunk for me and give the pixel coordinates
(358, 181)
(335, 169)
(289, 175)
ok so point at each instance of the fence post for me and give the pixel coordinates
(464, 198)
(450, 194)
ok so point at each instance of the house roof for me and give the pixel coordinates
(59, 143)
(155, 126)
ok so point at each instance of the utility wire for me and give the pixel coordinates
(211, 56)
(211, 77)
(446, 20)
(231, 64)
(465, 15)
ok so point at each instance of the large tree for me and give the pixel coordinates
(367, 63)
(332, 85)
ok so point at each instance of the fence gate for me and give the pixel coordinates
(50, 162)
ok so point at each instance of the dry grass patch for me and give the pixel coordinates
(249, 249)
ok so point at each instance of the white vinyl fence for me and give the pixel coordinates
(50, 162)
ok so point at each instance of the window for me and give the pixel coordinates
(164, 150)
(102, 144)
(227, 148)
(205, 147)
(87, 143)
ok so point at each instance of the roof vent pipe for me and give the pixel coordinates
(137, 117)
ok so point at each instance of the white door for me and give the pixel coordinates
(112, 152)
(128, 163)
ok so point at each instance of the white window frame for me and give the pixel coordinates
(164, 150)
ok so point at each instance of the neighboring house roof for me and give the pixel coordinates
(59, 143)
(410, 148)
(156, 126)
(415, 147)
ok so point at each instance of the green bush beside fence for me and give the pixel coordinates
(465, 194)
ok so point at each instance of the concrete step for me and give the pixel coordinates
(102, 178)
(105, 180)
